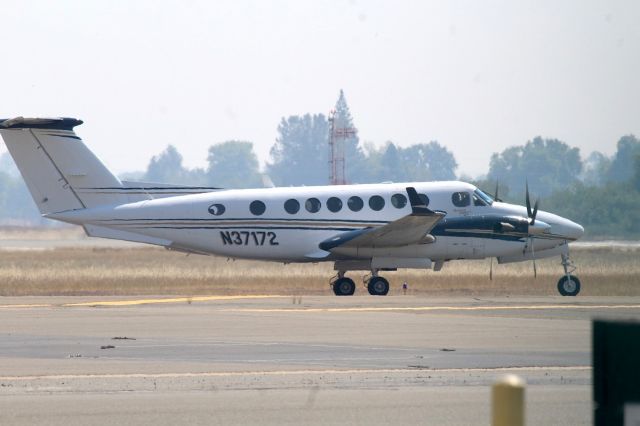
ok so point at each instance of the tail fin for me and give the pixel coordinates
(60, 171)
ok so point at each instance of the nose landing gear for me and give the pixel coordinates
(568, 285)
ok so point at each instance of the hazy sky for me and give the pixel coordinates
(477, 76)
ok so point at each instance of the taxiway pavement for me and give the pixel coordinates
(292, 360)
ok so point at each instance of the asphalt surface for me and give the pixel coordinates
(285, 360)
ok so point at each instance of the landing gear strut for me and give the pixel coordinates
(568, 285)
(343, 286)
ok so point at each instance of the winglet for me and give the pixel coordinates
(417, 205)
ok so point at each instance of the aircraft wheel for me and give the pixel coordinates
(378, 286)
(344, 287)
(569, 285)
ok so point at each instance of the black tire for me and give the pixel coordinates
(378, 286)
(344, 287)
(569, 285)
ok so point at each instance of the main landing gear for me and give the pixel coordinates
(344, 286)
(568, 285)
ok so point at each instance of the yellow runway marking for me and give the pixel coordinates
(436, 308)
(169, 300)
(133, 302)
(42, 305)
(294, 372)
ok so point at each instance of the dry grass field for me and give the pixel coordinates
(138, 271)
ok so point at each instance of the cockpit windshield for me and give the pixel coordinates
(481, 199)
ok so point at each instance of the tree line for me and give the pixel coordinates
(600, 192)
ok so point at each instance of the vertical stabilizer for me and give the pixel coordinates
(60, 171)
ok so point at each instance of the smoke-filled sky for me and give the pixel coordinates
(478, 76)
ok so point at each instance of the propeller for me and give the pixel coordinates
(532, 220)
(495, 194)
(531, 214)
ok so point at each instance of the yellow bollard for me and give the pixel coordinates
(507, 401)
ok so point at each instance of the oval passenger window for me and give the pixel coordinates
(376, 203)
(355, 203)
(257, 207)
(292, 206)
(398, 200)
(312, 205)
(334, 204)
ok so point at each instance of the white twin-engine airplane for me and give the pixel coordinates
(379, 227)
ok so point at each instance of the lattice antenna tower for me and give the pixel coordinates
(338, 134)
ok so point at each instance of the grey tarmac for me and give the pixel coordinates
(292, 360)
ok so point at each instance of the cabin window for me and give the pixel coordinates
(461, 199)
(312, 205)
(398, 200)
(424, 199)
(292, 206)
(376, 203)
(334, 204)
(216, 209)
(257, 207)
(355, 203)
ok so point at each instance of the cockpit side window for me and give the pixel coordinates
(460, 199)
(477, 201)
(481, 198)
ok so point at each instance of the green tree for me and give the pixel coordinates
(233, 164)
(612, 210)
(547, 164)
(392, 167)
(428, 162)
(300, 154)
(622, 165)
(636, 173)
(595, 169)
(166, 167)
(16, 204)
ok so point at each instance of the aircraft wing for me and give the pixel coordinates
(410, 229)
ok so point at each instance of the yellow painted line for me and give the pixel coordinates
(133, 302)
(436, 308)
(42, 305)
(166, 300)
(294, 372)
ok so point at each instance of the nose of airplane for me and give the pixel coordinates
(561, 226)
(573, 230)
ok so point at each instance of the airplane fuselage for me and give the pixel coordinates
(288, 224)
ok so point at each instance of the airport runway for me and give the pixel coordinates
(286, 360)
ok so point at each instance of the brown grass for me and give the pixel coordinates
(137, 271)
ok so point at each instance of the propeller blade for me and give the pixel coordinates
(527, 200)
(535, 212)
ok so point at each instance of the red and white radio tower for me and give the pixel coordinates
(337, 137)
